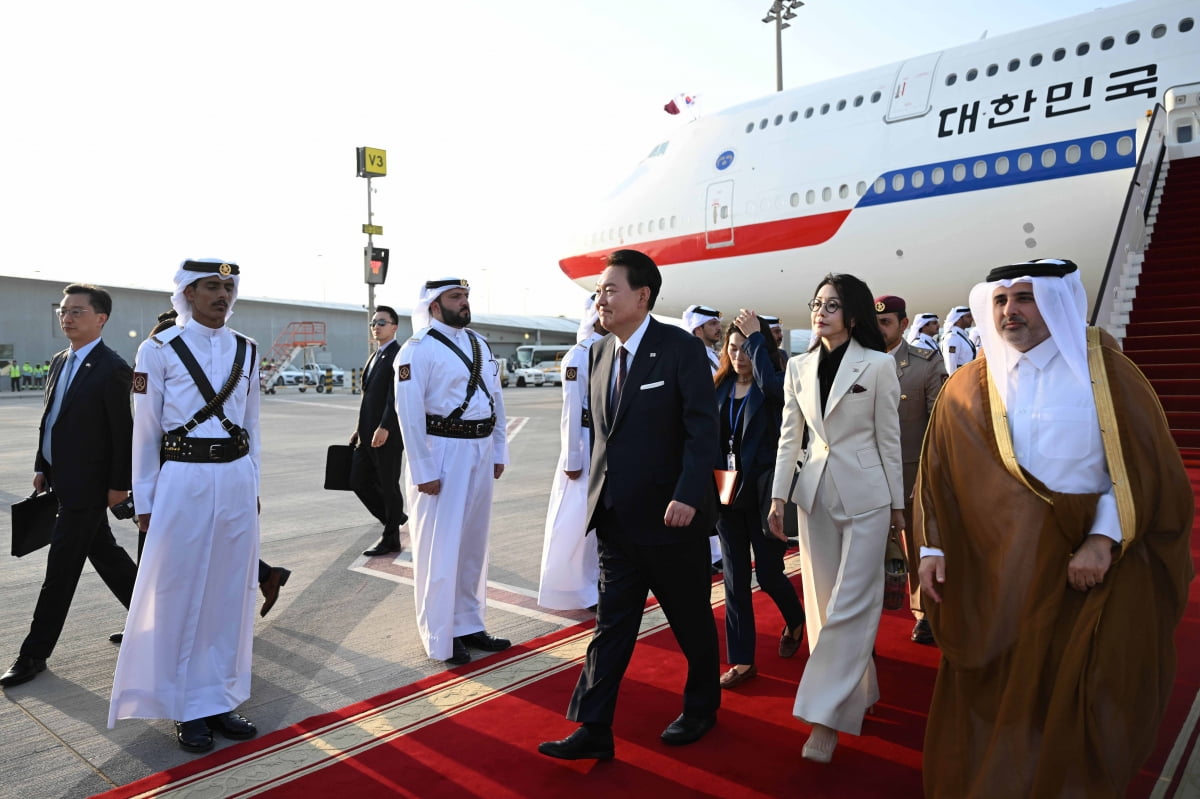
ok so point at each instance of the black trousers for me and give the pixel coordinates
(680, 575)
(79, 534)
(375, 478)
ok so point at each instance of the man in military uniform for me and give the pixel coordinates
(921, 374)
(452, 418)
(188, 638)
(957, 347)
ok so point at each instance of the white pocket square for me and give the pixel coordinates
(654, 385)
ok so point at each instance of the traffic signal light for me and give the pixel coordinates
(377, 264)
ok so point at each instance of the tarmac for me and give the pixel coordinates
(342, 631)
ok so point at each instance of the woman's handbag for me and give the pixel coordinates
(726, 484)
(895, 573)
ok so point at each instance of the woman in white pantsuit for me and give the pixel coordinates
(849, 489)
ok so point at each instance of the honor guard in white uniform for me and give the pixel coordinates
(452, 418)
(924, 330)
(570, 561)
(777, 332)
(186, 653)
(957, 347)
(705, 324)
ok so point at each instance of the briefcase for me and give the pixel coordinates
(32, 522)
(337, 467)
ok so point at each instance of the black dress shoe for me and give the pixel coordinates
(388, 543)
(481, 640)
(23, 669)
(270, 587)
(193, 736)
(921, 633)
(117, 638)
(461, 656)
(232, 725)
(687, 729)
(580, 745)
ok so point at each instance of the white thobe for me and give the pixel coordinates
(957, 349)
(570, 562)
(188, 637)
(449, 530)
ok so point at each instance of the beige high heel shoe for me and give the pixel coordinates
(820, 745)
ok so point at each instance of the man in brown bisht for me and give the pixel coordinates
(1054, 514)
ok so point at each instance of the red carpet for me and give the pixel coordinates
(474, 731)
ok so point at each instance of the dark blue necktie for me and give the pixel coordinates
(622, 373)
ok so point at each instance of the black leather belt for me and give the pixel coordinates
(204, 450)
(459, 428)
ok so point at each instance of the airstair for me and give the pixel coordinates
(298, 340)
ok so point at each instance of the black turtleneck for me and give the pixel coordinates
(827, 369)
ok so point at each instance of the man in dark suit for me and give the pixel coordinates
(375, 470)
(652, 502)
(84, 455)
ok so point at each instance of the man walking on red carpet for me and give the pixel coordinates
(652, 502)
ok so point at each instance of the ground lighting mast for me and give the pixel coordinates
(779, 12)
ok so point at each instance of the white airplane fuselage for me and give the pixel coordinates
(918, 177)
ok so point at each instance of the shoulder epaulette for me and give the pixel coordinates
(419, 335)
(165, 336)
(921, 352)
(249, 340)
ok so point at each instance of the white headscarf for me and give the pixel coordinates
(195, 269)
(1062, 302)
(914, 330)
(430, 292)
(772, 321)
(956, 313)
(587, 326)
(697, 315)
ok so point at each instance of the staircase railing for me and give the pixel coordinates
(1130, 236)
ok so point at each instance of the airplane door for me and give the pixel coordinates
(914, 82)
(718, 215)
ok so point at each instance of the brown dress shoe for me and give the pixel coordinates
(733, 678)
(788, 643)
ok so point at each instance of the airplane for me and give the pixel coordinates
(917, 177)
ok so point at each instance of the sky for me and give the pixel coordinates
(136, 134)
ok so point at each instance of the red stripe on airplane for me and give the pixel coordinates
(786, 234)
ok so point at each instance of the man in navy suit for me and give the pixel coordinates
(375, 470)
(652, 502)
(84, 455)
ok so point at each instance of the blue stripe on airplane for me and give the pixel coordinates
(1111, 158)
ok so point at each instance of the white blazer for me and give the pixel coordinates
(857, 439)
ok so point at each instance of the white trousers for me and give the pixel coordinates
(449, 534)
(570, 570)
(841, 558)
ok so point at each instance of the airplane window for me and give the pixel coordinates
(1183, 134)
(938, 176)
(959, 173)
(792, 116)
(779, 119)
(841, 105)
(795, 199)
(724, 211)
(918, 179)
(662, 223)
(1001, 166)
(951, 79)
(1059, 54)
(641, 228)
(763, 124)
(810, 197)
(1035, 59)
(1099, 150)
(1072, 154)
(1014, 65)
(672, 223)
(1024, 162)
(980, 169)
(843, 191)
(824, 108)
(1049, 157)
(1107, 43)
(1082, 48)
(992, 70)
(858, 101)
(808, 112)
(898, 182)
(875, 96)
(1158, 31)
(750, 128)
(880, 185)
(1132, 37)
(861, 188)
(972, 74)
(1186, 24)
(1124, 145)
(826, 194)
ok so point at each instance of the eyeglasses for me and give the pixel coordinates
(379, 323)
(74, 313)
(831, 306)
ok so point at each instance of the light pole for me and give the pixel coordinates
(779, 12)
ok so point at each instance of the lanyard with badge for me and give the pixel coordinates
(734, 421)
